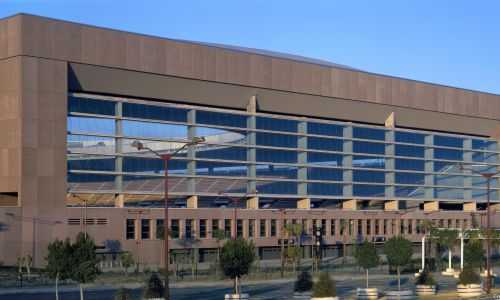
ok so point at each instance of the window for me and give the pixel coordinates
(417, 229)
(393, 227)
(342, 226)
(351, 227)
(304, 226)
(385, 227)
(402, 226)
(323, 227)
(145, 229)
(315, 227)
(189, 228)
(273, 227)
(215, 227)
(457, 223)
(368, 227)
(377, 227)
(332, 227)
(410, 227)
(130, 229)
(450, 223)
(227, 227)
(239, 227)
(175, 228)
(203, 229)
(360, 227)
(263, 228)
(160, 224)
(251, 228)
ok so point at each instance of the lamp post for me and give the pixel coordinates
(488, 176)
(138, 212)
(85, 211)
(283, 212)
(166, 157)
(235, 202)
(313, 257)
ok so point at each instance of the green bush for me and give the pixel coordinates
(325, 287)
(468, 276)
(473, 253)
(154, 287)
(425, 278)
(303, 283)
(122, 294)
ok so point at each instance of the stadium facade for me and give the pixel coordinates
(328, 144)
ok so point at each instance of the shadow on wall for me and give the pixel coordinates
(188, 242)
(113, 245)
(4, 227)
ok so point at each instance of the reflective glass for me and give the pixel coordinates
(449, 180)
(324, 129)
(222, 152)
(324, 189)
(409, 178)
(448, 154)
(152, 112)
(369, 190)
(448, 141)
(90, 144)
(276, 124)
(410, 151)
(486, 157)
(324, 144)
(276, 140)
(368, 176)
(78, 181)
(210, 168)
(288, 172)
(280, 188)
(158, 146)
(91, 125)
(221, 119)
(213, 135)
(409, 191)
(410, 137)
(153, 165)
(324, 159)
(91, 162)
(448, 193)
(91, 106)
(409, 164)
(368, 162)
(276, 156)
(369, 148)
(154, 130)
(324, 174)
(368, 133)
(485, 145)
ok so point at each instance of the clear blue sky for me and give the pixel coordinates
(450, 42)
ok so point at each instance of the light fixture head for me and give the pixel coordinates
(198, 139)
(137, 144)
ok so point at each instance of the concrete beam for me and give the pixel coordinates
(494, 207)
(496, 133)
(192, 202)
(350, 204)
(431, 206)
(119, 200)
(253, 203)
(470, 206)
(391, 205)
(304, 203)
(390, 122)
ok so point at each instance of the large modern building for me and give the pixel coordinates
(325, 143)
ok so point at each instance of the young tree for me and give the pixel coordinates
(83, 261)
(398, 251)
(427, 226)
(447, 239)
(343, 230)
(236, 256)
(325, 287)
(127, 261)
(194, 259)
(366, 257)
(58, 261)
(304, 282)
(474, 254)
(28, 260)
(219, 235)
(293, 232)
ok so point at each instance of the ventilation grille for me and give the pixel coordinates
(73, 221)
(102, 221)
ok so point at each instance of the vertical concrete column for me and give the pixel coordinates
(302, 158)
(191, 152)
(429, 166)
(118, 150)
(347, 161)
(251, 141)
(389, 163)
(467, 181)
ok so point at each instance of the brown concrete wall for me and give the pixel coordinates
(53, 39)
(10, 43)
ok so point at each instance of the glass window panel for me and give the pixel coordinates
(324, 189)
(91, 106)
(368, 162)
(89, 144)
(449, 193)
(367, 147)
(448, 141)
(153, 112)
(410, 151)
(91, 125)
(448, 154)
(276, 124)
(223, 152)
(481, 194)
(446, 167)
(209, 168)
(221, 118)
(369, 190)
(485, 157)
(276, 140)
(324, 129)
(324, 144)
(324, 174)
(153, 165)
(91, 162)
(158, 146)
(213, 135)
(409, 192)
(409, 164)
(226, 184)
(410, 137)
(276, 156)
(327, 159)
(368, 133)
(485, 145)
(276, 171)
(283, 188)
(409, 178)
(368, 176)
(79, 181)
(154, 130)
(448, 180)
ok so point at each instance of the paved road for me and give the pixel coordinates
(259, 290)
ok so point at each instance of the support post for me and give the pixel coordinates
(350, 204)
(304, 203)
(192, 202)
(253, 203)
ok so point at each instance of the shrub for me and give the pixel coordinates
(366, 257)
(468, 276)
(154, 287)
(235, 258)
(473, 253)
(122, 294)
(304, 282)
(325, 287)
(425, 278)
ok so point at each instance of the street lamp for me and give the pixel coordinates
(235, 202)
(488, 176)
(283, 212)
(166, 157)
(85, 211)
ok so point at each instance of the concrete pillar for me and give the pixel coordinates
(470, 206)
(192, 202)
(304, 203)
(191, 152)
(390, 123)
(118, 147)
(431, 206)
(302, 158)
(429, 167)
(119, 200)
(251, 141)
(350, 204)
(494, 207)
(347, 161)
(467, 181)
(391, 205)
(253, 203)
